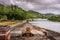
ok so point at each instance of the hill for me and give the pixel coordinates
(13, 12)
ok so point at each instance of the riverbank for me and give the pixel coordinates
(9, 22)
(28, 29)
(36, 31)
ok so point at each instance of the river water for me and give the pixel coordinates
(54, 26)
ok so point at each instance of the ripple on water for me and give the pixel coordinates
(55, 26)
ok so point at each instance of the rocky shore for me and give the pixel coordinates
(35, 33)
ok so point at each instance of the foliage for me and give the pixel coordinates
(14, 12)
(54, 18)
(4, 18)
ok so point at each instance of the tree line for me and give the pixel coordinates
(13, 12)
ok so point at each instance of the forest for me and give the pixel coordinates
(13, 12)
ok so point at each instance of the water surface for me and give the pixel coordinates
(54, 26)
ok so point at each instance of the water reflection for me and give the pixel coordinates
(55, 26)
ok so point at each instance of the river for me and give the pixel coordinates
(54, 26)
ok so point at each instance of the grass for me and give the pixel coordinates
(9, 22)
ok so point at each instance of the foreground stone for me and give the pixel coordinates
(30, 32)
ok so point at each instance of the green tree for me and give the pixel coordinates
(5, 18)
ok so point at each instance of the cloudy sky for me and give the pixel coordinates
(44, 6)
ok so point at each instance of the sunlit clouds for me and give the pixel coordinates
(30, 6)
(12, 1)
(25, 4)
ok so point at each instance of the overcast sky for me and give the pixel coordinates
(44, 6)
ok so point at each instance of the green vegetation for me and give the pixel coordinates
(55, 18)
(14, 12)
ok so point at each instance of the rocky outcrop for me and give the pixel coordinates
(30, 32)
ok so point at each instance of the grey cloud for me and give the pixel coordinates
(37, 5)
(6, 2)
(42, 1)
(48, 11)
